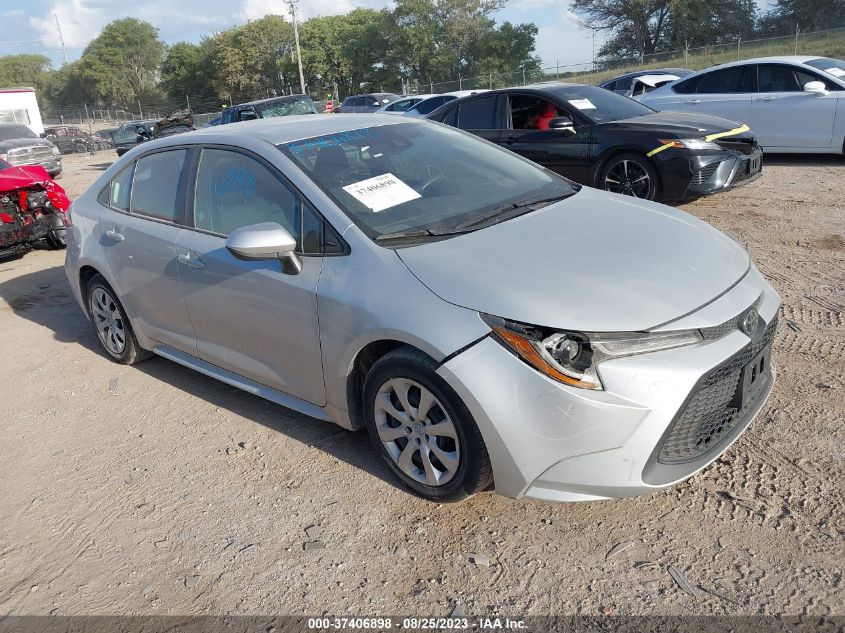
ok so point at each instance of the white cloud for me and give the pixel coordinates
(79, 23)
(255, 9)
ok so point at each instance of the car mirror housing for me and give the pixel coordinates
(267, 240)
(815, 87)
(563, 123)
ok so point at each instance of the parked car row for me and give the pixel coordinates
(71, 139)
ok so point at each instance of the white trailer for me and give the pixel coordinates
(18, 105)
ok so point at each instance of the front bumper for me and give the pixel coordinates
(550, 441)
(687, 175)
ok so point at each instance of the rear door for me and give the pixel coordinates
(784, 116)
(139, 233)
(725, 93)
(483, 115)
(251, 318)
(559, 150)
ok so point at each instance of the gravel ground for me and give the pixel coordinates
(155, 490)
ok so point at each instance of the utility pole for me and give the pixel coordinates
(292, 4)
(61, 39)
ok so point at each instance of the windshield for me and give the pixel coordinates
(8, 132)
(286, 107)
(406, 177)
(833, 67)
(600, 105)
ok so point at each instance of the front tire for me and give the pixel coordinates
(422, 429)
(630, 174)
(113, 328)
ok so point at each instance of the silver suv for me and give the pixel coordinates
(486, 320)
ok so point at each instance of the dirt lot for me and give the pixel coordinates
(125, 491)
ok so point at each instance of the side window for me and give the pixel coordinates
(357, 102)
(155, 187)
(624, 84)
(737, 79)
(774, 78)
(451, 117)
(430, 105)
(227, 117)
(478, 114)
(685, 87)
(121, 189)
(234, 190)
(531, 113)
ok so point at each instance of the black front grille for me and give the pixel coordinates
(703, 174)
(710, 412)
(741, 145)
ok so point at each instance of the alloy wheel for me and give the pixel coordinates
(109, 321)
(417, 432)
(628, 177)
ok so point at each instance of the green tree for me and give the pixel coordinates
(24, 70)
(185, 70)
(806, 15)
(121, 63)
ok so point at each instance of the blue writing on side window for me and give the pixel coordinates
(238, 180)
(340, 138)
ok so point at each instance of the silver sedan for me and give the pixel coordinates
(487, 321)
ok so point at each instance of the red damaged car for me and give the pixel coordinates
(32, 208)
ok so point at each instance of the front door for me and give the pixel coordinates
(725, 93)
(249, 317)
(139, 236)
(483, 116)
(784, 116)
(529, 135)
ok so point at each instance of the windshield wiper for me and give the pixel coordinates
(519, 204)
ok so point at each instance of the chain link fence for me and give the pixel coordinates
(829, 43)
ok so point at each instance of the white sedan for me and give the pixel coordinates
(793, 104)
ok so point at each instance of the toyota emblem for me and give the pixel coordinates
(749, 321)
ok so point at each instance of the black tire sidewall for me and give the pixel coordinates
(466, 480)
(654, 177)
(131, 346)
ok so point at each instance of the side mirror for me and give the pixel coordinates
(267, 240)
(815, 87)
(43, 135)
(563, 123)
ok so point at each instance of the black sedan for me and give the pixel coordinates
(605, 140)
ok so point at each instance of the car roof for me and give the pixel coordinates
(270, 100)
(289, 128)
(775, 59)
(648, 71)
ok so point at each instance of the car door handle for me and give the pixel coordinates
(112, 234)
(191, 262)
(693, 101)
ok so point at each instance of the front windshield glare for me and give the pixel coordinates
(419, 176)
(833, 67)
(600, 105)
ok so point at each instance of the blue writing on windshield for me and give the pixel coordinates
(328, 140)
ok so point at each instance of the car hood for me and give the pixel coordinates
(681, 124)
(16, 143)
(594, 262)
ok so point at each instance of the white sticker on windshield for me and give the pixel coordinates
(381, 192)
(582, 104)
(836, 72)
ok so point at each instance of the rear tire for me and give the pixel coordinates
(438, 453)
(113, 328)
(630, 174)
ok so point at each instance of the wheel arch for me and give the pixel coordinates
(360, 366)
(610, 154)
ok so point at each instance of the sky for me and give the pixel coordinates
(561, 40)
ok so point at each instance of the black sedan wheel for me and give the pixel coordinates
(631, 175)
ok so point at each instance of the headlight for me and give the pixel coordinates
(572, 357)
(690, 143)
